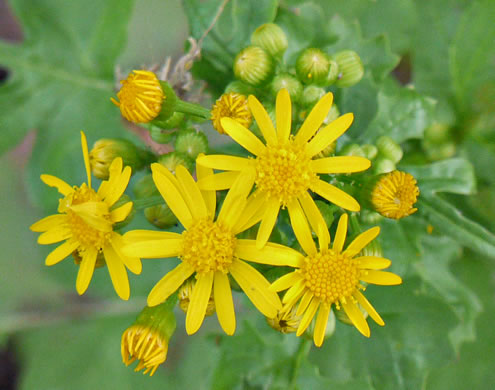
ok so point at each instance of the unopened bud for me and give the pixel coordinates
(333, 72)
(389, 149)
(312, 66)
(237, 86)
(191, 142)
(290, 83)
(104, 151)
(370, 151)
(311, 95)
(253, 65)
(351, 68)
(382, 165)
(171, 160)
(271, 38)
(352, 150)
(160, 216)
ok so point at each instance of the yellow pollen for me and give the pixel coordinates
(208, 246)
(283, 171)
(232, 105)
(394, 195)
(331, 277)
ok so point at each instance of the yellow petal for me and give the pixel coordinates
(191, 193)
(223, 162)
(338, 243)
(329, 134)
(335, 195)
(340, 164)
(154, 249)
(86, 269)
(121, 213)
(224, 304)
(243, 136)
(361, 241)
(263, 120)
(59, 184)
(304, 303)
(315, 219)
(268, 222)
(321, 324)
(169, 284)
(356, 317)
(308, 316)
(301, 228)
(373, 262)
(219, 181)
(294, 293)
(117, 189)
(314, 119)
(92, 214)
(366, 305)
(286, 281)
(210, 196)
(48, 223)
(132, 262)
(148, 235)
(61, 252)
(382, 278)
(199, 301)
(283, 113)
(84, 145)
(256, 288)
(55, 234)
(117, 271)
(271, 253)
(253, 213)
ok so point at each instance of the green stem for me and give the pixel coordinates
(140, 204)
(302, 352)
(193, 109)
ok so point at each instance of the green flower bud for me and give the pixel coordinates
(253, 65)
(370, 151)
(439, 151)
(171, 160)
(161, 216)
(104, 151)
(333, 72)
(271, 38)
(370, 217)
(145, 187)
(352, 150)
(239, 87)
(382, 165)
(311, 95)
(171, 123)
(373, 248)
(351, 68)
(389, 149)
(437, 133)
(161, 136)
(312, 66)
(191, 142)
(290, 83)
(333, 114)
(122, 201)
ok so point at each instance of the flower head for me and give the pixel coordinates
(85, 222)
(141, 97)
(394, 195)
(286, 166)
(231, 105)
(286, 321)
(333, 276)
(208, 248)
(104, 151)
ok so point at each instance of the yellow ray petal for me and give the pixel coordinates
(92, 213)
(340, 234)
(294, 293)
(329, 134)
(169, 284)
(132, 262)
(61, 252)
(55, 234)
(121, 213)
(283, 112)
(308, 316)
(315, 219)
(271, 253)
(253, 213)
(268, 222)
(147, 235)
(340, 164)
(118, 187)
(361, 241)
(368, 307)
(286, 281)
(219, 181)
(314, 119)
(356, 317)
(59, 184)
(118, 274)
(209, 196)
(321, 324)
(199, 301)
(191, 193)
(224, 304)
(304, 303)
(301, 228)
(243, 136)
(229, 215)
(335, 195)
(256, 288)
(154, 249)
(86, 269)
(382, 278)
(372, 262)
(223, 162)
(263, 120)
(84, 145)
(48, 223)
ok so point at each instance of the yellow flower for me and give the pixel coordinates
(231, 105)
(394, 195)
(85, 221)
(286, 321)
(141, 97)
(333, 276)
(286, 167)
(209, 248)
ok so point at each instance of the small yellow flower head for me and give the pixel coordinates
(231, 105)
(286, 321)
(395, 194)
(104, 151)
(185, 294)
(141, 97)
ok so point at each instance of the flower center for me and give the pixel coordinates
(330, 276)
(208, 246)
(283, 171)
(231, 105)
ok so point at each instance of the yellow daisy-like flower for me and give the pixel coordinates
(231, 105)
(141, 97)
(395, 194)
(286, 167)
(208, 248)
(332, 276)
(85, 221)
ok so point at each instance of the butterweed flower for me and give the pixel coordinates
(287, 166)
(208, 248)
(85, 222)
(394, 195)
(286, 321)
(332, 276)
(141, 97)
(105, 150)
(231, 105)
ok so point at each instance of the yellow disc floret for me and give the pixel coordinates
(283, 171)
(208, 246)
(232, 105)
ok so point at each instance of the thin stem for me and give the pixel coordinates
(193, 109)
(302, 352)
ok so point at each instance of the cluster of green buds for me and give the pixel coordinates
(438, 142)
